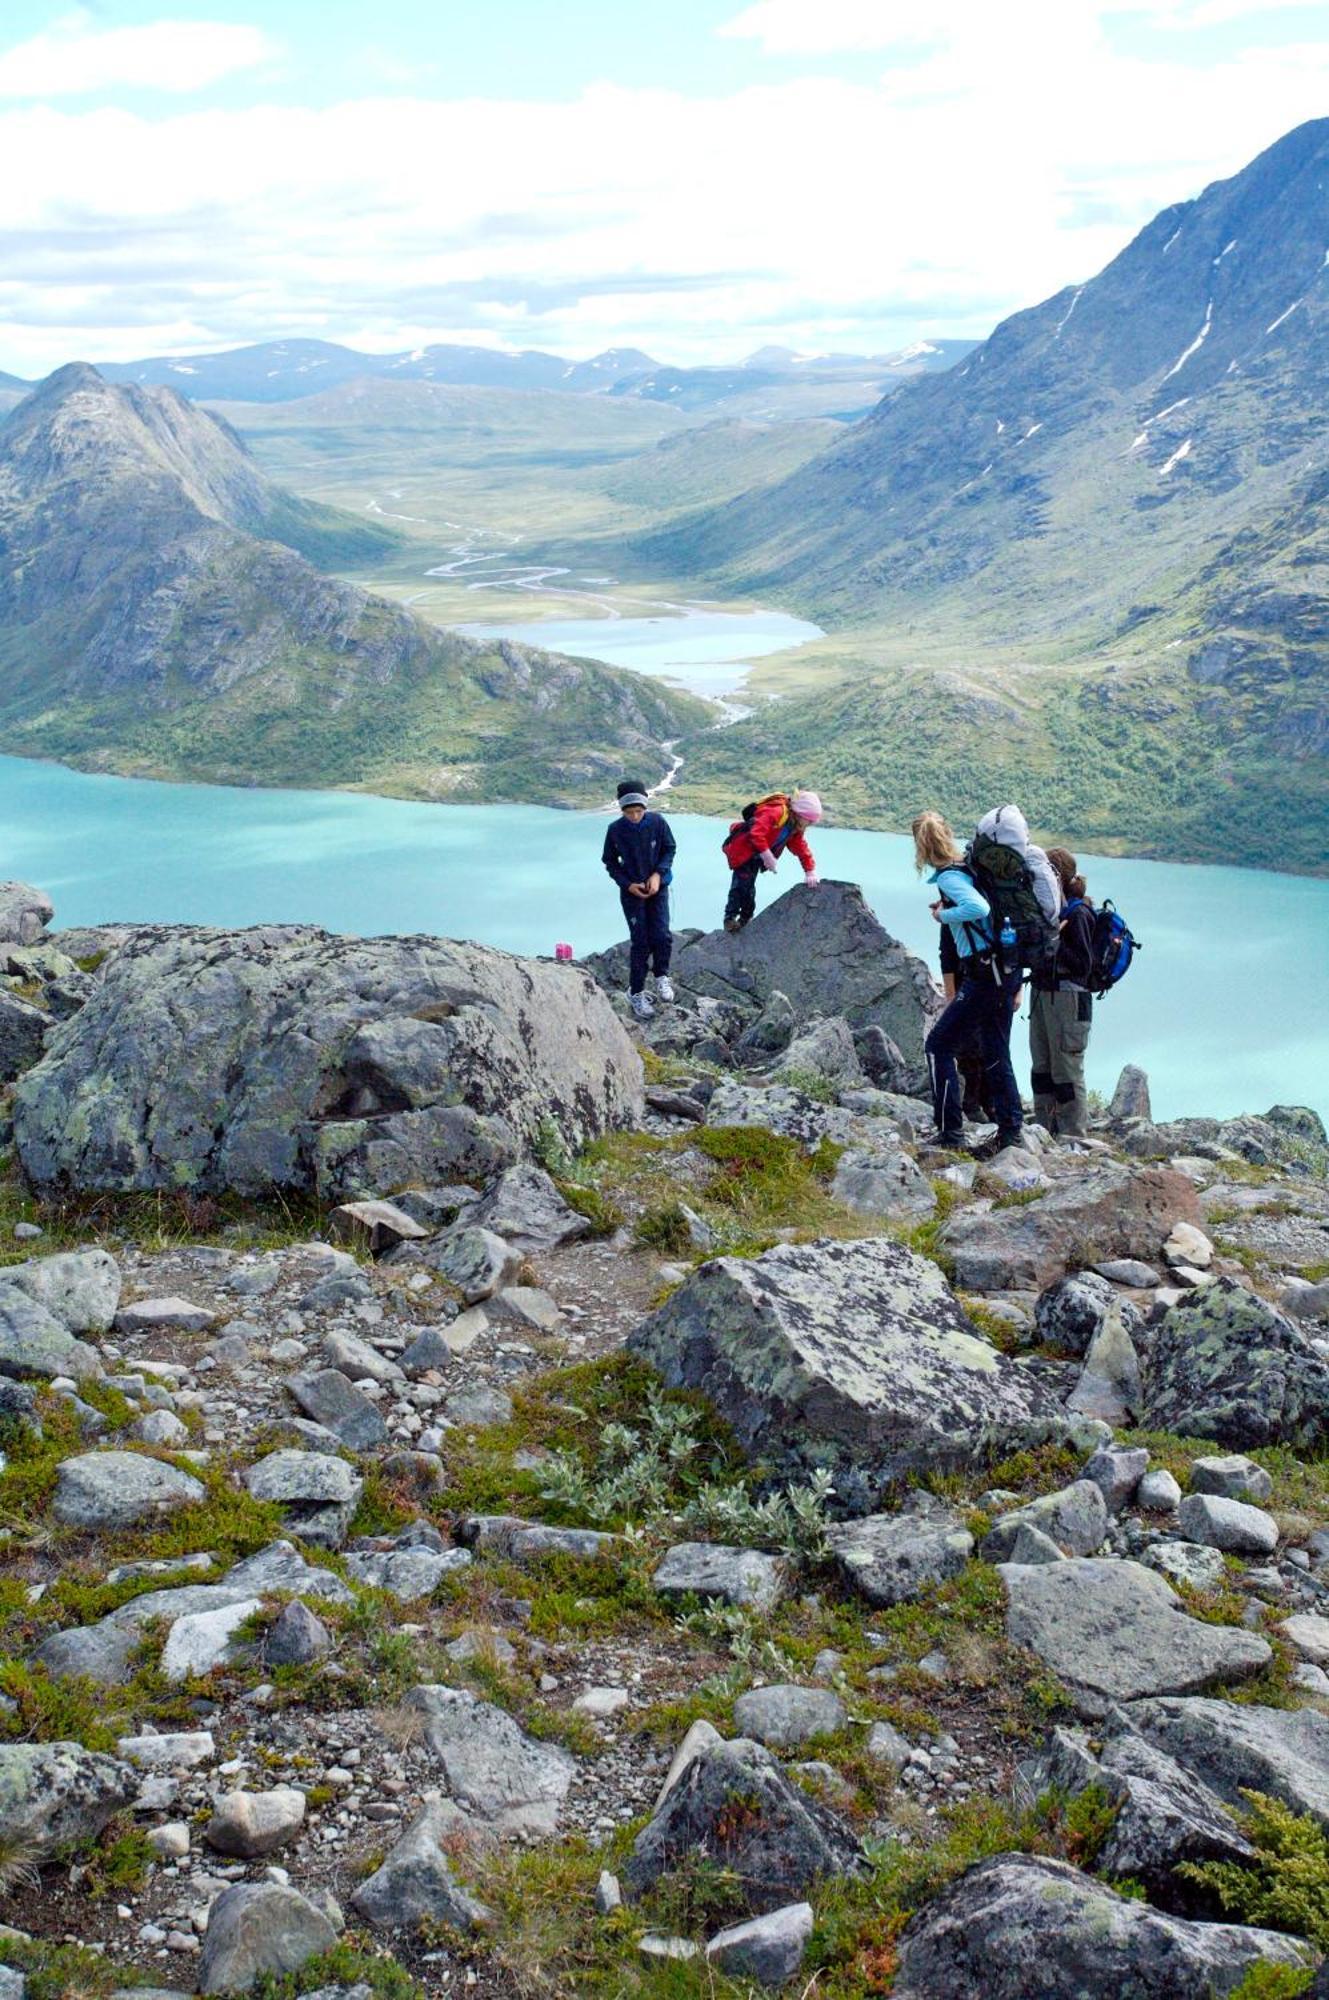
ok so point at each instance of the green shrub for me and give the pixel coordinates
(1286, 1888)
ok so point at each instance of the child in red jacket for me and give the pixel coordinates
(759, 839)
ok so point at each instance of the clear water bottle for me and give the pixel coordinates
(1007, 937)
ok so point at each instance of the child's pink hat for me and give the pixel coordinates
(807, 805)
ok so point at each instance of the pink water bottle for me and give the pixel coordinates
(563, 953)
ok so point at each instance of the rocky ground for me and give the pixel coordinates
(687, 1540)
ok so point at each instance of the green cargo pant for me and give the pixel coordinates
(1059, 1025)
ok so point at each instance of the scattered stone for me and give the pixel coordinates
(1188, 1245)
(1129, 1271)
(317, 1495)
(526, 1210)
(787, 1717)
(1031, 1545)
(1115, 1631)
(358, 1361)
(297, 1638)
(33, 1342)
(160, 1427)
(1310, 1635)
(1158, 1492)
(256, 1928)
(477, 1262)
(601, 1702)
(1117, 1471)
(55, 1795)
(170, 1842)
(1185, 1562)
(529, 1306)
(416, 1882)
(853, 1356)
(478, 1407)
(777, 1846)
(408, 1574)
(281, 1568)
(518, 1540)
(1075, 1518)
(374, 1226)
(79, 1288)
(980, 1938)
(327, 1397)
(717, 1573)
(164, 1315)
(203, 1640)
(769, 1949)
(174, 1750)
(608, 1894)
(887, 1184)
(885, 1745)
(655, 1947)
(894, 1558)
(107, 1490)
(508, 1779)
(429, 1353)
(247, 1824)
(1229, 1525)
(1224, 1364)
(1233, 1478)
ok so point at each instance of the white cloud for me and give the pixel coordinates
(934, 198)
(74, 57)
(844, 27)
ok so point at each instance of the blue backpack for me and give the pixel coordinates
(1112, 947)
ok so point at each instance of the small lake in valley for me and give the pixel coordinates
(706, 652)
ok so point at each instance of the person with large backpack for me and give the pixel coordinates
(1061, 1010)
(756, 841)
(985, 999)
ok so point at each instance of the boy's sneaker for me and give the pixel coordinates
(664, 988)
(733, 924)
(641, 1006)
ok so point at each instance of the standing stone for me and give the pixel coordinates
(256, 1928)
(1130, 1099)
(1109, 1385)
(851, 1356)
(297, 1638)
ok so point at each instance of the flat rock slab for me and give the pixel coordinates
(203, 1640)
(720, 1574)
(1233, 1747)
(504, 1777)
(164, 1315)
(317, 1494)
(79, 1288)
(1225, 1364)
(1024, 1927)
(408, 1574)
(285, 1057)
(1115, 1631)
(280, 1567)
(854, 1357)
(508, 1535)
(787, 1717)
(375, 1226)
(107, 1490)
(769, 1949)
(173, 1750)
(894, 1558)
(888, 1184)
(1122, 1211)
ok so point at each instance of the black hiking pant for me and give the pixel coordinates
(741, 905)
(982, 1007)
(650, 941)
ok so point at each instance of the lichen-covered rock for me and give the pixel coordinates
(22, 1035)
(80, 1288)
(24, 913)
(317, 1494)
(527, 1211)
(107, 1490)
(1225, 1364)
(785, 1717)
(1075, 1518)
(504, 1777)
(1115, 1631)
(893, 1558)
(33, 1342)
(416, 1881)
(56, 1794)
(283, 1057)
(1106, 1211)
(733, 1803)
(256, 1928)
(851, 1356)
(715, 1572)
(1025, 1927)
(886, 1183)
(1235, 1747)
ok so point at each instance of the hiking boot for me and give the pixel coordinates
(946, 1142)
(988, 1149)
(664, 988)
(641, 1006)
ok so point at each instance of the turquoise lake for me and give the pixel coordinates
(1227, 1007)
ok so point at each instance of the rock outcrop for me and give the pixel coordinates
(287, 1058)
(855, 1357)
(1108, 1211)
(1224, 1364)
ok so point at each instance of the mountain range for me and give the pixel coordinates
(161, 612)
(1090, 560)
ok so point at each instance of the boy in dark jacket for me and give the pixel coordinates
(639, 854)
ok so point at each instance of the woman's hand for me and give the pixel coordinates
(653, 883)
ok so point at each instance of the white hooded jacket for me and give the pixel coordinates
(1008, 826)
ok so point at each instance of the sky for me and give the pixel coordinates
(696, 179)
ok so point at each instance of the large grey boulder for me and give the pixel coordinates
(1114, 1631)
(33, 1342)
(256, 1928)
(527, 1211)
(1234, 1747)
(24, 912)
(56, 1794)
(893, 1558)
(1225, 1364)
(504, 1777)
(851, 1356)
(1231, 1525)
(416, 1880)
(1104, 1211)
(776, 1846)
(108, 1490)
(1025, 1927)
(22, 1035)
(79, 1288)
(826, 952)
(283, 1057)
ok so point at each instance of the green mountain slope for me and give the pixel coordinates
(151, 620)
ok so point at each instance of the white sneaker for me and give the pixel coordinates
(664, 988)
(641, 1006)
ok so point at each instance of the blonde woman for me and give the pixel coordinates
(985, 999)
